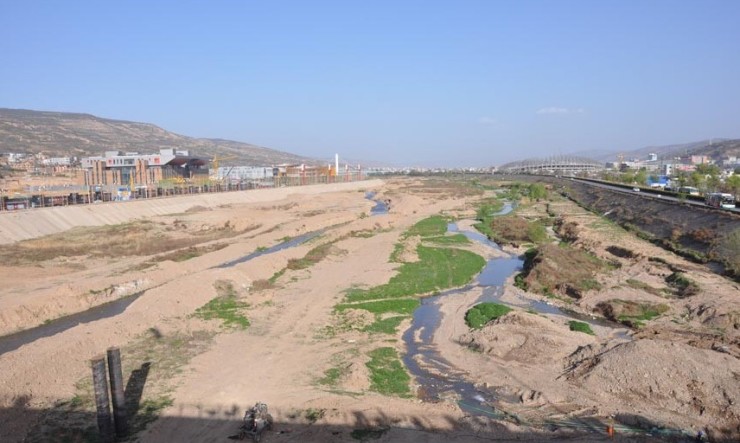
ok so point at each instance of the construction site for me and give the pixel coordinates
(120, 176)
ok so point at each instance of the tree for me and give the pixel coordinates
(537, 191)
(682, 179)
(733, 184)
(697, 180)
(628, 177)
(641, 176)
(712, 183)
(707, 169)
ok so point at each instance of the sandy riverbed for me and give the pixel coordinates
(293, 337)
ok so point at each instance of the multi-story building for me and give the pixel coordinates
(117, 168)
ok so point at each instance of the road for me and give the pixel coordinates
(649, 193)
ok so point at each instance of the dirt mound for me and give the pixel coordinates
(563, 269)
(673, 378)
(525, 338)
(631, 313)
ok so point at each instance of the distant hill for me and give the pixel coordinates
(715, 148)
(61, 134)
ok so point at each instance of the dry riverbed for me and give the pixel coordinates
(275, 335)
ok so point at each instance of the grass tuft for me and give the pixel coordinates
(580, 326)
(480, 314)
(224, 307)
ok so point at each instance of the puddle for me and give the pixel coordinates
(279, 247)
(380, 208)
(14, 341)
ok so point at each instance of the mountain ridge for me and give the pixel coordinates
(62, 134)
(716, 148)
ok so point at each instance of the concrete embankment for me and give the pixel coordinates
(32, 223)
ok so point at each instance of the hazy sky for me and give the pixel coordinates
(458, 82)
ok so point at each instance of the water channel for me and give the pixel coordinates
(290, 243)
(436, 377)
(380, 208)
(111, 309)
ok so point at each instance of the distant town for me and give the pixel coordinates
(31, 180)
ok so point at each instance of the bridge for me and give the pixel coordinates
(561, 164)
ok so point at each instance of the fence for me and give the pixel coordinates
(81, 195)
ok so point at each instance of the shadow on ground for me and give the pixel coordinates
(221, 424)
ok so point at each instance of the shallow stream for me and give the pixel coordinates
(436, 377)
(380, 207)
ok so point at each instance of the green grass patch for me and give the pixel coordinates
(536, 232)
(485, 215)
(387, 374)
(588, 284)
(387, 325)
(445, 240)
(580, 326)
(332, 376)
(631, 313)
(400, 306)
(437, 269)
(272, 280)
(520, 282)
(224, 307)
(482, 313)
(434, 225)
(488, 208)
(649, 312)
(313, 256)
(396, 254)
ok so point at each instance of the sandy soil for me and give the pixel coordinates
(543, 370)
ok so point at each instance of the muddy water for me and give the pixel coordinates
(436, 377)
(14, 341)
(293, 242)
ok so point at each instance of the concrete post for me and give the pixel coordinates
(116, 389)
(102, 403)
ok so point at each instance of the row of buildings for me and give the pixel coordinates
(116, 168)
(687, 163)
